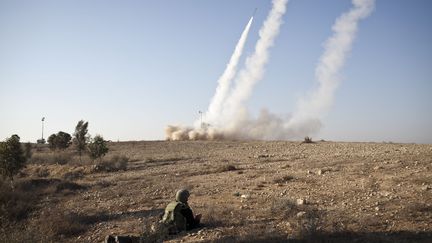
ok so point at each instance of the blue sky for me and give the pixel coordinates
(132, 67)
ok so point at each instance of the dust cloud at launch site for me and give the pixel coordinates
(227, 116)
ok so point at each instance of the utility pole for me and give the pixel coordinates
(43, 119)
(42, 140)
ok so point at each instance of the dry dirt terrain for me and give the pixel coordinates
(247, 191)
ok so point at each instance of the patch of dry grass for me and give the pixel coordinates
(225, 168)
(116, 163)
(15, 205)
(283, 179)
(58, 157)
(73, 175)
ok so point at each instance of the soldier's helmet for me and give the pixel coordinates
(182, 195)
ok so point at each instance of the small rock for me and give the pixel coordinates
(301, 214)
(301, 201)
(377, 167)
(377, 209)
(245, 196)
(237, 194)
(425, 187)
(320, 172)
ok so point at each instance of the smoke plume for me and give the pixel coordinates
(254, 69)
(225, 79)
(228, 115)
(312, 108)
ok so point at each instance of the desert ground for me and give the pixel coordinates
(247, 191)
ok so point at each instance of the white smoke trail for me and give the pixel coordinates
(309, 111)
(234, 121)
(233, 111)
(225, 113)
(224, 81)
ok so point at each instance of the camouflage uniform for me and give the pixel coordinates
(178, 215)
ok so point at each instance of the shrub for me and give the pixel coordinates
(115, 164)
(284, 207)
(283, 179)
(307, 140)
(12, 157)
(15, 205)
(225, 168)
(103, 184)
(98, 147)
(66, 224)
(60, 224)
(73, 175)
(71, 186)
(61, 140)
(154, 232)
(42, 172)
(61, 158)
(120, 162)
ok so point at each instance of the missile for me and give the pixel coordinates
(254, 12)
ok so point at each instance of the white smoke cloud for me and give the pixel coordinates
(232, 107)
(232, 121)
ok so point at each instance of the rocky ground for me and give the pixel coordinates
(247, 191)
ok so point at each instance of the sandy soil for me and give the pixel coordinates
(253, 190)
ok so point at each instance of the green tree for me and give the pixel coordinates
(12, 158)
(97, 147)
(52, 141)
(61, 140)
(80, 137)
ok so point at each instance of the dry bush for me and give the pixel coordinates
(59, 224)
(154, 232)
(20, 234)
(416, 210)
(212, 218)
(42, 172)
(169, 159)
(15, 205)
(306, 225)
(261, 234)
(283, 179)
(73, 175)
(225, 168)
(69, 186)
(60, 157)
(307, 140)
(256, 233)
(103, 184)
(66, 225)
(36, 185)
(116, 163)
(284, 207)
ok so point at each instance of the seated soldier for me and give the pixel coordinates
(178, 215)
